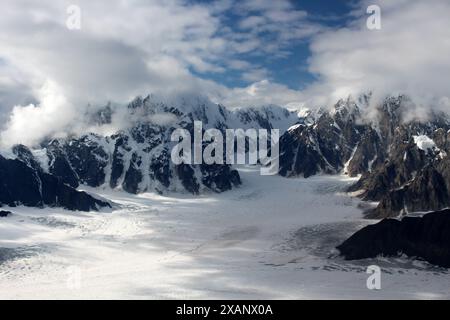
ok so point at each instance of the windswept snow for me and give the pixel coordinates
(271, 238)
(424, 143)
(294, 127)
(42, 157)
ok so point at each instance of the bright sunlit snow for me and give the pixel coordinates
(271, 238)
(424, 143)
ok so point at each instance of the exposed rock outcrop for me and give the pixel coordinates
(426, 237)
(27, 184)
(4, 214)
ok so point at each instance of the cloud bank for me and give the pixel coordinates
(408, 55)
(127, 48)
(51, 76)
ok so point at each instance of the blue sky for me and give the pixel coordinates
(290, 70)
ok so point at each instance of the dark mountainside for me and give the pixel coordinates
(426, 237)
(26, 184)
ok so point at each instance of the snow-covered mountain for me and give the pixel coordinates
(137, 158)
(404, 164)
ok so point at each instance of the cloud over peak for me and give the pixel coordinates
(408, 55)
(50, 74)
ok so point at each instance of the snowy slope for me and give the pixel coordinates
(271, 238)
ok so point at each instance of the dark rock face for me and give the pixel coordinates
(186, 174)
(25, 185)
(299, 154)
(427, 192)
(160, 168)
(219, 178)
(24, 154)
(118, 163)
(20, 184)
(367, 155)
(4, 213)
(426, 237)
(59, 164)
(133, 176)
(411, 180)
(332, 142)
(88, 159)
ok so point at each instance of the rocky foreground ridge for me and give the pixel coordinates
(426, 237)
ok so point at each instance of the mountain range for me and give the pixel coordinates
(402, 163)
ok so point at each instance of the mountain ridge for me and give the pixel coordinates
(381, 147)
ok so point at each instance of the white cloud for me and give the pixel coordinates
(28, 124)
(255, 74)
(13, 90)
(129, 48)
(260, 93)
(275, 24)
(252, 22)
(408, 55)
(123, 49)
(237, 64)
